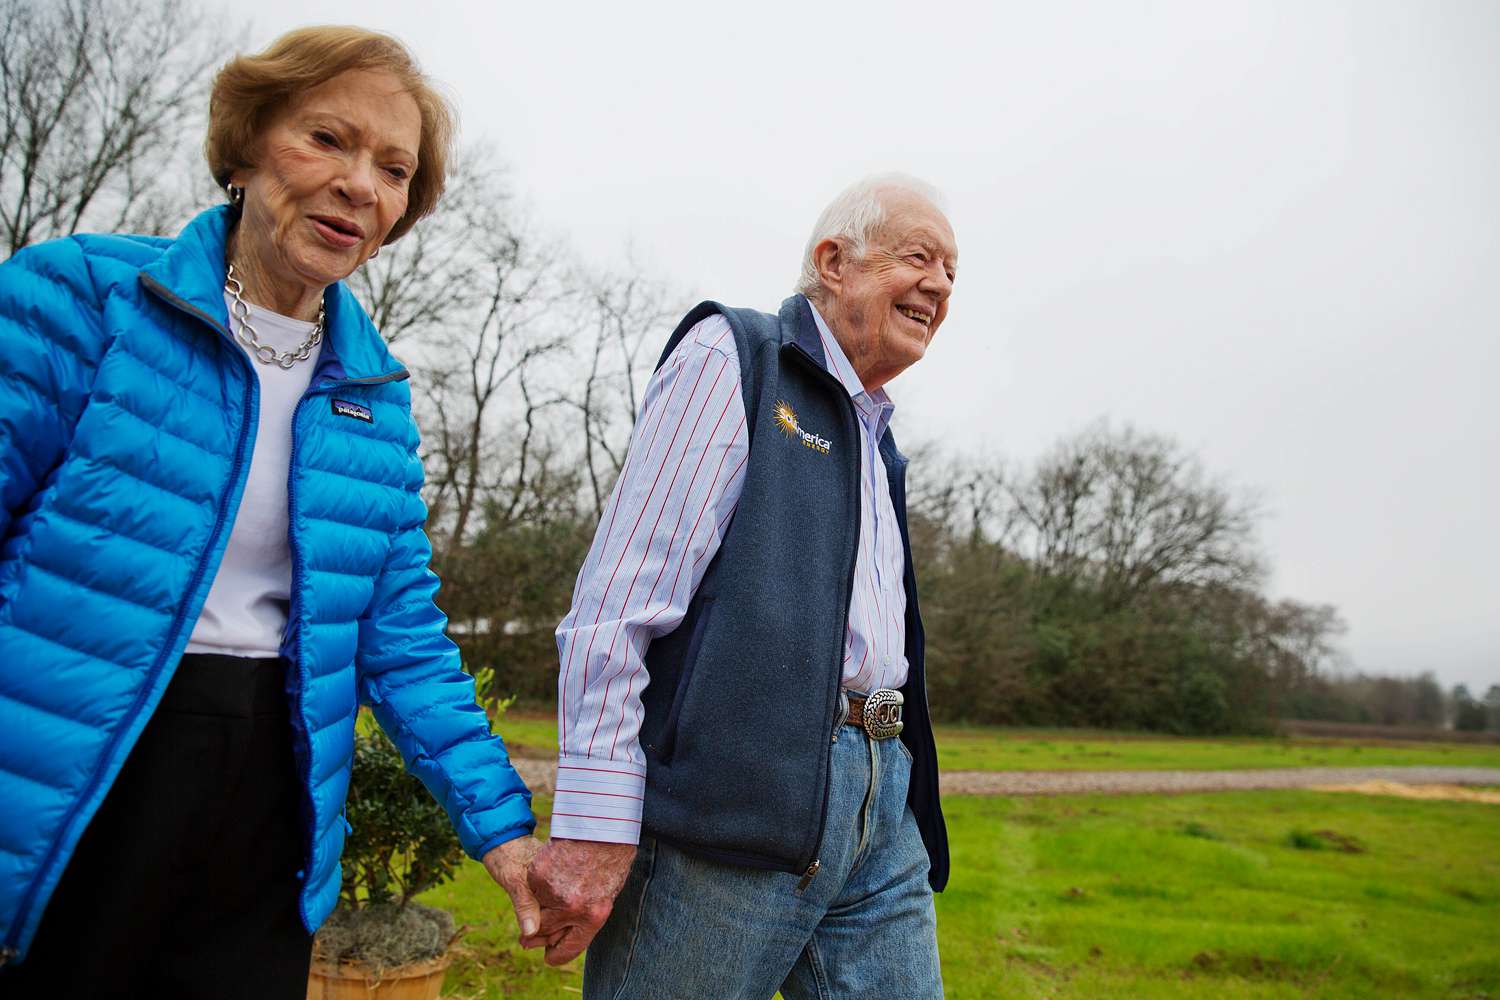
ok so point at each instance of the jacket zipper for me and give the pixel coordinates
(842, 395)
(292, 640)
(303, 757)
(12, 941)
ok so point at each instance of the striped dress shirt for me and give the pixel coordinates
(669, 510)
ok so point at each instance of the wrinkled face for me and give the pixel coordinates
(330, 180)
(889, 304)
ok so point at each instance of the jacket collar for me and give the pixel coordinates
(798, 327)
(192, 270)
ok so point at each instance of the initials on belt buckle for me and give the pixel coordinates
(883, 714)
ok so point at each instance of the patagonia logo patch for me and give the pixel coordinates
(344, 408)
(786, 420)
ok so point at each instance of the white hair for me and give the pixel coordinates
(854, 217)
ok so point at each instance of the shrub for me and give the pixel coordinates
(402, 842)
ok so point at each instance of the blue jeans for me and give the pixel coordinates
(685, 927)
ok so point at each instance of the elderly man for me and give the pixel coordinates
(744, 643)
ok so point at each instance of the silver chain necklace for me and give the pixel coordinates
(247, 334)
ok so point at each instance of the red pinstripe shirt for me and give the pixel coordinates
(673, 501)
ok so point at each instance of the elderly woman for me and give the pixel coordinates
(213, 551)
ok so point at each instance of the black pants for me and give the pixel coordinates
(185, 884)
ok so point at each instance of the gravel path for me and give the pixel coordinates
(540, 774)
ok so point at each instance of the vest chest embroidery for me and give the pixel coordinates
(786, 420)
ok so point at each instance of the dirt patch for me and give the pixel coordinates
(1324, 840)
(1219, 963)
(1453, 793)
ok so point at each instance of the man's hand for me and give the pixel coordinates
(507, 865)
(576, 882)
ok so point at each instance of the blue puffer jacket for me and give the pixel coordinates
(127, 421)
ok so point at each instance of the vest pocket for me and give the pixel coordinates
(689, 660)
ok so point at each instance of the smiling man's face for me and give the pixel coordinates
(885, 307)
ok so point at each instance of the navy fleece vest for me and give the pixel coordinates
(741, 706)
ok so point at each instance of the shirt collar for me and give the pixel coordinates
(875, 405)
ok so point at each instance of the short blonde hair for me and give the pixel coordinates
(252, 89)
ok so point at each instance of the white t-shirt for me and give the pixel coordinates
(247, 606)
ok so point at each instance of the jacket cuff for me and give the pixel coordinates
(598, 800)
(504, 837)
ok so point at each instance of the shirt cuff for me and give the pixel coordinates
(598, 800)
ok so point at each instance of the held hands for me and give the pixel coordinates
(562, 891)
(575, 882)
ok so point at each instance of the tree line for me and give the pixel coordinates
(1114, 582)
(1397, 701)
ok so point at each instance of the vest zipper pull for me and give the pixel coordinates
(807, 876)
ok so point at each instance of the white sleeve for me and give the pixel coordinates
(679, 487)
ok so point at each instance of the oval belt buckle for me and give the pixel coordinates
(883, 714)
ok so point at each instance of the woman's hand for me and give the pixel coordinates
(576, 882)
(507, 865)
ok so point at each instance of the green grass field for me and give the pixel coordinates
(980, 748)
(1269, 894)
(973, 748)
(529, 734)
(1230, 895)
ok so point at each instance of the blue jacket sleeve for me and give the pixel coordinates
(410, 673)
(50, 342)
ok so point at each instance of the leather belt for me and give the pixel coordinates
(878, 713)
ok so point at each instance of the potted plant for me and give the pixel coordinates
(379, 942)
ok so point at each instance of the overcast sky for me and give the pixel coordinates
(1271, 231)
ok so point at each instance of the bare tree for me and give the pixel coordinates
(532, 488)
(1132, 511)
(480, 353)
(967, 498)
(526, 370)
(100, 97)
(477, 302)
(1293, 643)
(524, 361)
(621, 311)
